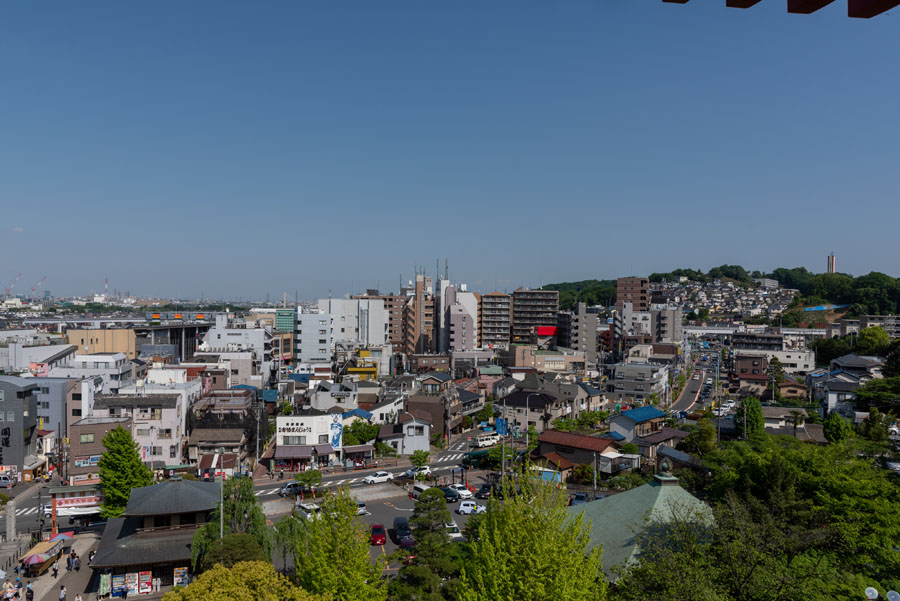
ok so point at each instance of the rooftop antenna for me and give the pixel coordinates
(446, 268)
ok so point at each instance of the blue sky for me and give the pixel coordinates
(238, 149)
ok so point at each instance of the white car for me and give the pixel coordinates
(310, 511)
(462, 491)
(468, 507)
(454, 532)
(415, 472)
(378, 477)
(361, 509)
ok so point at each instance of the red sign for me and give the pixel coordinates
(76, 501)
(546, 330)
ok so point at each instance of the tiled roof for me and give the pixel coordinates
(558, 461)
(577, 441)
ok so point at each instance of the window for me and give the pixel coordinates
(294, 441)
(156, 450)
(76, 396)
(415, 430)
(161, 521)
(45, 390)
(76, 412)
(10, 416)
(143, 431)
(165, 433)
(86, 438)
(323, 439)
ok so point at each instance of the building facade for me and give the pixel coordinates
(633, 290)
(494, 320)
(531, 309)
(18, 442)
(578, 331)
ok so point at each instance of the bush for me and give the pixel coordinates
(4, 499)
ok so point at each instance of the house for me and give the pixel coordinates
(664, 437)
(155, 532)
(387, 409)
(792, 389)
(564, 450)
(207, 441)
(213, 465)
(411, 433)
(864, 367)
(434, 382)
(617, 521)
(639, 422)
(781, 417)
(334, 396)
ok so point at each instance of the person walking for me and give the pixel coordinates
(56, 569)
(78, 597)
(62, 593)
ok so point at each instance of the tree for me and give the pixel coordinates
(881, 393)
(797, 419)
(875, 426)
(703, 314)
(529, 547)
(836, 428)
(872, 341)
(748, 419)
(360, 432)
(419, 458)
(485, 413)
(629, 448)
(120, 470)
(243, 515)
(309, 479)
(776, 370)
(231, 549)
(564, 424)
(245, 581)
(435, 567)
(334, 552)
(583, 473)
(891, 367)
(701, 440)
(285, 533)
(384, 450)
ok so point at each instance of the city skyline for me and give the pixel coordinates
(183, 151)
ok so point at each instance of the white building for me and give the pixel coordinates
(114, 368)
(309, 439)
(313, 338)
(356, 321)
(260, 341)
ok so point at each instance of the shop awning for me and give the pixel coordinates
(324, 449)
(293, 452)
(32, 462)
(358, 448)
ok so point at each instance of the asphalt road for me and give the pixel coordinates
(690, 393)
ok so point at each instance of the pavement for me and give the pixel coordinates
(689, 394)
(46, 587)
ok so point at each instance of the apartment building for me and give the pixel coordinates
(757, 341)
(313, 337)
(238, 337)
(889, 323)
(633, 290)
(356, 322)
(393, 309)
(577, 329)
(114, 368)
(18, 441)
(86, 447)
(531, 309)
(420, 318)
(638, 383)
(494, 320)
(666, 323)
(158, 424)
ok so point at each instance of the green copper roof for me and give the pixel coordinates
(617, 520)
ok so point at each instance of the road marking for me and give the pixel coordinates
(26, 510)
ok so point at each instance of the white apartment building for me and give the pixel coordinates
(114, 368)
(313, 337)
(356, 321)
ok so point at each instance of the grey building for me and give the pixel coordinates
(577, 329)
(313, 338)
(638, 382)
(54, 395)
(18, 443)
(666, 323)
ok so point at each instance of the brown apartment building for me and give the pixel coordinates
(635, 291)
(420, 314)
(393, 306)
(494, 320)
(531, 309)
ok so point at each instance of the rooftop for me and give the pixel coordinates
(640, 415)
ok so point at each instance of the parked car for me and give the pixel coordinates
(451, 495)
(403, 533)
(361, 508)
(462, 491)
(484, 492)
(310, 511)
(7, 481)
(454, 532)
(468, 507)
(378, 477)
(415, 472)
(378, 535)
(47, 510)
(290, 489)
(578, 498)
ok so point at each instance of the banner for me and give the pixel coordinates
(105, 585)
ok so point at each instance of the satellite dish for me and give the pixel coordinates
(893, 596)
(871, 593)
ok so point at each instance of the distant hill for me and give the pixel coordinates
(591, 292)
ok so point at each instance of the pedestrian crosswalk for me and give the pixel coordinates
(448, 458)
(341, 482)
(27, 510)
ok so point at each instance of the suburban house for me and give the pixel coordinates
(434, 382)
(205, 441)
(664, 437)
(564, 450)
(781, 417)
(863, 367)
(411, 433)
(637, 423)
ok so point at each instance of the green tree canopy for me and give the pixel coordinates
(332, 554)
(243, 515)
(120, 470)
(309, 478)
(245, 581)
(872, 341)
(360, 432)
(701, 440)
(528, 547)
(748, 419)
(231, 549)
(836, 428)
(419, 458)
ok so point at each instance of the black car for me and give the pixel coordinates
(484, 492)
(403, 535)
(578, 498)
(451, 495)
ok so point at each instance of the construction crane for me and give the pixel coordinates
(36, 286)
(13, 285)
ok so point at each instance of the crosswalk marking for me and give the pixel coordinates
(453, 457)
(26, 510)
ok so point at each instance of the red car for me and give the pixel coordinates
(378, 535)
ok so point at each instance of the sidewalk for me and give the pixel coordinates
(46, 587)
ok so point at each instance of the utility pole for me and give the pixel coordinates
(595, 474)
(222, 495)
(503, 442)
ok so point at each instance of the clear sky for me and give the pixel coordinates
(245, 148)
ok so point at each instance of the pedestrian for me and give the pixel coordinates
(124, 593)
(29, 593)
(62, 593)
(77, 563)
(69, 563)
(56, 568)
(281, 475)
(78, 597)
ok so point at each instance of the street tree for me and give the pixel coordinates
(748, 419)
(245, 581)
(332, 554)
(231, 549)
(242, 515)
(434, 572)
(419, 458)
(517, 550)
(875, 427)
(309, 479)
(836, 428)
(121, 469)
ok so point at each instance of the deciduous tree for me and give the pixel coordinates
(121, 469)
(243, 515)
(836, 428)
(231, 549)
(748, 419)
(419, 458)
(529, 548)
(245, 581)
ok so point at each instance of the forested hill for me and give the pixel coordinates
(591, 292)
(874, 293)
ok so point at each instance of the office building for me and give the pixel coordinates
(313, 338)
(420, 318)
(633, 290)
(356, 322)
(18, 442)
